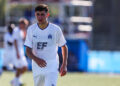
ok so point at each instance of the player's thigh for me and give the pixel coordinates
(51, 79)
(39, 80)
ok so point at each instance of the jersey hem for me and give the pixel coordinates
(62, 45)
(27, 46)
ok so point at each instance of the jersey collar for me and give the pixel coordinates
(44, 28)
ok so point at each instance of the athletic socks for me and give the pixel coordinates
(16, 81)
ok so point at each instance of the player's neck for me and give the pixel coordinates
(43, 25)
(23, 29)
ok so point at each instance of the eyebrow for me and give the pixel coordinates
(40, 14)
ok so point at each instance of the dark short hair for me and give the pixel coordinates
(10, 27)
(42, 7)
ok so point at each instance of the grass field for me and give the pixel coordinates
(71, 79)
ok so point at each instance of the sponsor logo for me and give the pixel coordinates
(41, 45)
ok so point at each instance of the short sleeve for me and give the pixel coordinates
(28, 40)
(16, 34)
(60, 38)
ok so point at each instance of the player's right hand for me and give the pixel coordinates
(40, 62)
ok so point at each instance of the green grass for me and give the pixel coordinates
(71, 79)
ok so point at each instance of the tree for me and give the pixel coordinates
(2, 12)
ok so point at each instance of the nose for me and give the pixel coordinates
(40, 17)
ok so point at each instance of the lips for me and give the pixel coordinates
(40, 20)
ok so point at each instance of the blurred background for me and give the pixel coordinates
(91, 28)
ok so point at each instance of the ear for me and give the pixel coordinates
(48, 14)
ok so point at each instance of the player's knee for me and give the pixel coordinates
(24, 69)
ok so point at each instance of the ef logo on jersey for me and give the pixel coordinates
(41, 45)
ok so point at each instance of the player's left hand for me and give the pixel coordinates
(63, 70)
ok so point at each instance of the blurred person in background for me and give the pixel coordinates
(42, 42)
(9, 50)
(20, 60)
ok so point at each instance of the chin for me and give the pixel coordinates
(40, 22)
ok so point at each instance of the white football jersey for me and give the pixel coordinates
(9, 50)
(19, 36)
(44, 44)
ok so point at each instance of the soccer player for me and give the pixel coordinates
(42, 41)
(20, 60)
(9, 51)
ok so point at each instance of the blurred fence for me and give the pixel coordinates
(78, 55)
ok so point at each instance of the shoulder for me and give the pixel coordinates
(16, 30)
(32, 27)
(55, 27)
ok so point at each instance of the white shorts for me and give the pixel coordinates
(20, 63)
(49, 79)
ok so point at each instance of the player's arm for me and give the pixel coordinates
(16, 48)
(39, 61)
(63, 69)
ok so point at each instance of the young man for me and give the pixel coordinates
(20, 60)
(42, 41)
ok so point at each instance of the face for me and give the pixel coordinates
(41, 16)
(22, 26)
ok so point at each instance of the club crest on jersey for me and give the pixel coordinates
(49, 36)
(34, 36)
